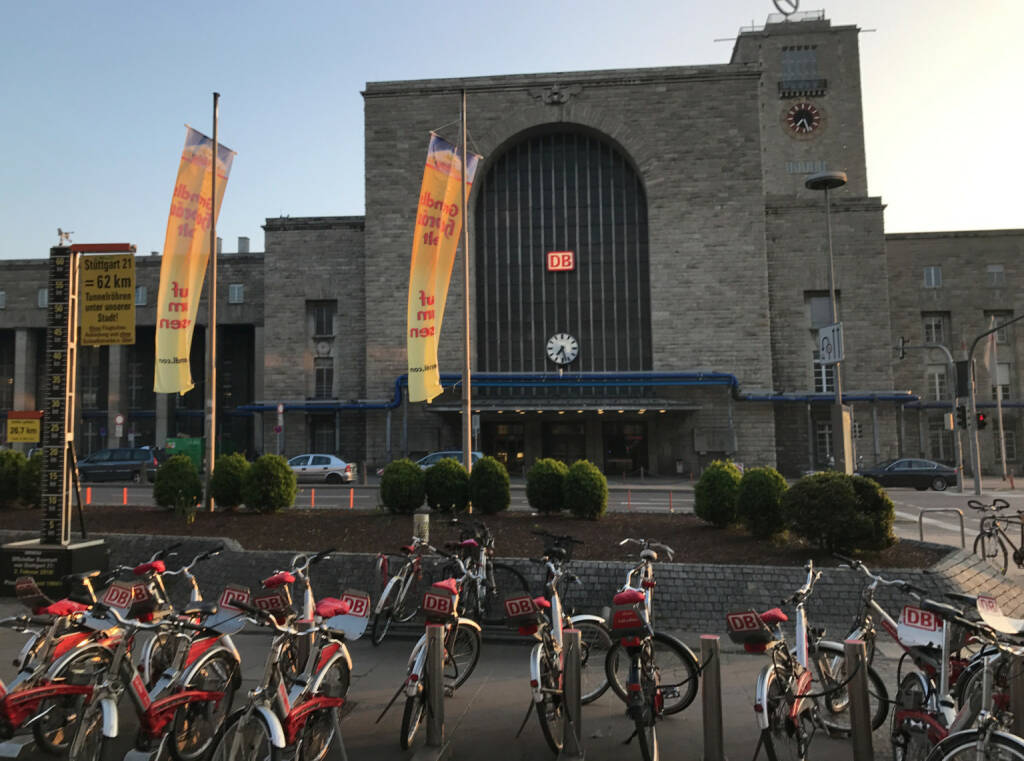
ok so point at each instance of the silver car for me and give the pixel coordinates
(322, 468)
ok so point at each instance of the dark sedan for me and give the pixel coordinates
(912, 471)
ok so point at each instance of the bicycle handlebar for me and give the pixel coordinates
(187, 569)
(650, 544)
(997, 504)
(166, 552)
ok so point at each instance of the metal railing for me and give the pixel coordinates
(958, 511)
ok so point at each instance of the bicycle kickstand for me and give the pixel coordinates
(336, 721)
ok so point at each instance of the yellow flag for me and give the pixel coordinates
(186, 254)
(435, 239)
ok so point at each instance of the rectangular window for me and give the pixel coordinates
(323, 433)
(934, 327)
(940, 441)
(937, 386)
(856, 430)
(1002, 380)
(933, 277)
(823, 443)
(3, 296)
(141, 294)
(136, 383)
(824, 377)
(996, 275)
(1010, 437)
(236, 291)
(43, 298)
(6, 380)
(999, 318)
(322, 314)
(819, 307)
(324, 382)
(806, 167)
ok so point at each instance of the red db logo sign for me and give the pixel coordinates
(518, 606)
(359, 603)
(234, 594)
(118, 596)
(437, 603)
(920, 619)
(743, 622)
(561, 261)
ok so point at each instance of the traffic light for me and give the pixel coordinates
(982, 422)
(961, 417)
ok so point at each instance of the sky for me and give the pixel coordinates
(97, 95)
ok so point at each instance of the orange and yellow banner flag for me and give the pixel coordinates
(435, 240)
(186, 255)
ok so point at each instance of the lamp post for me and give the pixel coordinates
(828, 181)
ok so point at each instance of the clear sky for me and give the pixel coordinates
(96, 96)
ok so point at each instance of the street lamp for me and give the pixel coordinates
(828, 181)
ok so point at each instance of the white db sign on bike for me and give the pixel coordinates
(353, 623)
(743, 622)
(919, 628)
(519, 606)
(435, 603)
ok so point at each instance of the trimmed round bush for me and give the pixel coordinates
(177, 484)
(874, 504)
(488, 486)
(12, 463)
(226, 482)
(447, 486)
(759, 501)
(545, 485)
(30, 481)
(822, 508)
(402, 486)
(715, 493)
(269, 484)
(585, 490)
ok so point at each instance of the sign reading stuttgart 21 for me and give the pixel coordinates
(108, 299)
(435, 239)
(186, 254)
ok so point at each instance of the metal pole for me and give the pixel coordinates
(860, 707)
(711, 697)
(467, 393)
(435, 685)
(572, 732)
(211, 338)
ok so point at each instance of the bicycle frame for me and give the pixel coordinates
(403, 579)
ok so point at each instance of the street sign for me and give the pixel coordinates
(830, 344)
(24, 427)
(119, 419)
(108, 299)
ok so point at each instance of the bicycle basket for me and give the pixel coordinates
(746, 628)
(522, 612)
(440, 601)
(629, 616)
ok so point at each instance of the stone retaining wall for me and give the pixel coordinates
(689, 597)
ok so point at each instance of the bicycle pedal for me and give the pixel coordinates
(449, 690)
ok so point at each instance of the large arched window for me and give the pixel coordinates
(562, 190)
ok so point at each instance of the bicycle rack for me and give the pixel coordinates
(436, 748)
(572, 747)
(860, 705)
(958, 511)
(711, 697)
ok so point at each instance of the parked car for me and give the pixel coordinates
(435, 457)
(325, 468)
(119, 465)
(912, 471)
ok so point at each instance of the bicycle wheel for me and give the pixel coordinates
(909, 741)
(196, 725)
(503, 582)
(408, 603)
(382, 621)
(963, 746)
(318, 732)
(830, 674)
(644, 716)
(968, 687)
(550, 712)
(990, 547)
(595, 641)
(88, 743)
(783, 740)
(412, 716)
(462, 657)
(53, 731)
(251, 735)
(677, 671)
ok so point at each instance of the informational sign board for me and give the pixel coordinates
(24, 427)
(108, 299)
(830, 344)
(561, 261)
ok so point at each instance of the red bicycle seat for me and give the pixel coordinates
(774, 616)
(278, 579)
(448, 584)
(629, 597)
(542, 602)
(469, 543)
(328, 607)
(63, 607)
(157, 566)
(408, 549)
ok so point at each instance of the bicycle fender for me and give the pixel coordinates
(58, 664)
(764, 680)
(420, 646)
(535, 654)
(588, 618)
(341, 655)
(109, 707)
(956, 738)
(205, 657)
(379, 607)
(273, 724)
(469, 623)
(417, 666)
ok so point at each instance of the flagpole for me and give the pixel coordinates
(211, 337)
(467, 394)
(993, 372)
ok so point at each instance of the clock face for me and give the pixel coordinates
(562, 348)
(803, 118)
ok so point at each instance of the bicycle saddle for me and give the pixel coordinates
(63, 607)
(556, 553)
(278, 579)
(773, 616)
(941, 609)
(200, 608)
(449, 584)
(628, 597)
(157, 566)
(329, 607)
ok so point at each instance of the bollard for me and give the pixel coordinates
(629, 500)
(857, 690)
(711, 697)
(1017, 694)
(124, 496)
(88, 489)
(312, 492)
(572, 708)
(351, 498)
(669, 499)
(435, 685)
